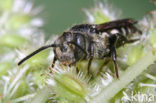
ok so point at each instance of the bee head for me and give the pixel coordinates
(65, 52)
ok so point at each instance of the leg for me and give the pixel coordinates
(53, 64)
(113, 40)
(79, 47)
(75, 64)
(113, 55)
(105, 63)
(89, 64)
(91, 56)
(132, 40)
(77, 70)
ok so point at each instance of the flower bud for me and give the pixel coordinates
(70, 87)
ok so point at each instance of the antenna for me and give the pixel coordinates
(36, 51)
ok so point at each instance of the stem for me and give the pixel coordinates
(129, 75)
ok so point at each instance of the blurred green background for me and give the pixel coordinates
(59, 15)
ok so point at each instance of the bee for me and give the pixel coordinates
(91, 41)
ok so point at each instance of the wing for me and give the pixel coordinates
(115, 24)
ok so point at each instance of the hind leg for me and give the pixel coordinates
(114, 58)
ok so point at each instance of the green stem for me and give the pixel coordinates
(129, 75)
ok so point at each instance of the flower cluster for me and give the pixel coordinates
(19, 25)
(31, 82)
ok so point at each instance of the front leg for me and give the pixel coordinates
(78, 47)
(52, 65)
